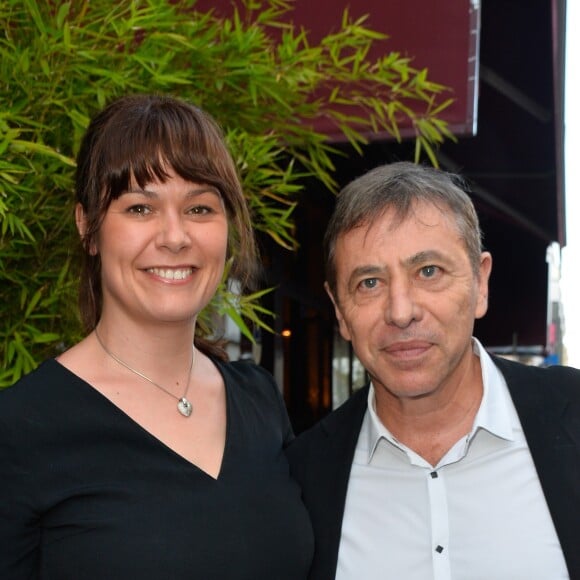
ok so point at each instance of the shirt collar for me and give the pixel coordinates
(495, 413)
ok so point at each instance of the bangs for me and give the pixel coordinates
(141, 144)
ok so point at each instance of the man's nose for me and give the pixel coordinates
(401, 308)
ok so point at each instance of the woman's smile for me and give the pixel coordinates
(171, 274)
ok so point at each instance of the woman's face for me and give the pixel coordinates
(163, 250)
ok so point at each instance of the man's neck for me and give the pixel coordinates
(432, 424)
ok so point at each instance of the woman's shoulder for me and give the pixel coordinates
(252, 387)
(46, 371)
(247, 372)
(34, 390)
(249, 377)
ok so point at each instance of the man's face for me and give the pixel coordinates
(407, 298)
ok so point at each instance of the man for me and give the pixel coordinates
(451, 463)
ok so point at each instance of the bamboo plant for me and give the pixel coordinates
(254, 71)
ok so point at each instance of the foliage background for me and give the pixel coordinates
(255, 72)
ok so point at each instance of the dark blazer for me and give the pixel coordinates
(548, 404)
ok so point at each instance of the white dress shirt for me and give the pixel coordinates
(480, 514)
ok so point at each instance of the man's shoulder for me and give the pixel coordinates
(343, 422)
(558, 378)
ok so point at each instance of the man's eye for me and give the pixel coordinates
(369, 283)
(429, 271)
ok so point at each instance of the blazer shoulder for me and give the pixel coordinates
(559, 379)
(341, 425)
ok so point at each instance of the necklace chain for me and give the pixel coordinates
(183, 405)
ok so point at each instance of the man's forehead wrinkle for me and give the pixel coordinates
(393, 218)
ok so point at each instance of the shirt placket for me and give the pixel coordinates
(439, 525)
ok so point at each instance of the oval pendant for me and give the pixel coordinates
(184, 407)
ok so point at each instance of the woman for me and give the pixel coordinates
(137, 453)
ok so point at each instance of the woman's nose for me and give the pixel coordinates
(173, 232)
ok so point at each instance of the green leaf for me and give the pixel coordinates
(265, 80)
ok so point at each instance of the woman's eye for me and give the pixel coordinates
(139, 209)
(201, 210)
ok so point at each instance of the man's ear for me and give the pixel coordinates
(82, 227)
(342, 326)
(483, 284)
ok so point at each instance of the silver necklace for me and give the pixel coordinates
(183, 404)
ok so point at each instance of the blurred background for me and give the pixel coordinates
(306, 92)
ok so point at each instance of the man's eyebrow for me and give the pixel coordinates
(364, 270)
(418, 258)
(424, 257)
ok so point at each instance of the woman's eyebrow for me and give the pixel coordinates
(198, 190)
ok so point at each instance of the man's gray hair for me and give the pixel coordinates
(399, 187)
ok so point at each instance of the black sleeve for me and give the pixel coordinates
(19, 525)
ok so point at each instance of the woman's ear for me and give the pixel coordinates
(81, 220)
(82, 227)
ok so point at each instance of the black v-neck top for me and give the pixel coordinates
(87, 493)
